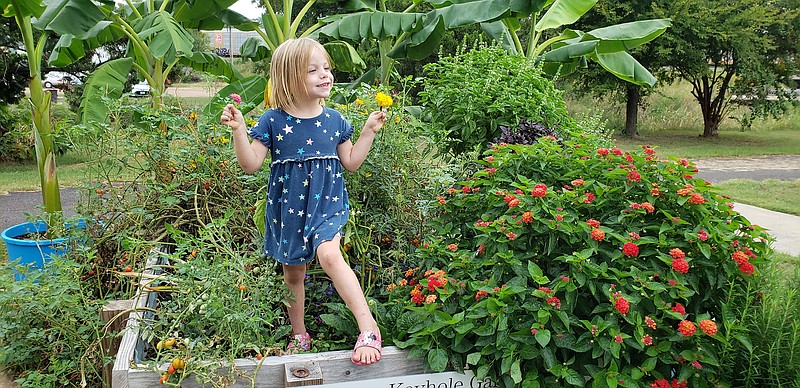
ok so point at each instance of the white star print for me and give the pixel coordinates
(305, 182)
(299, 214)
(310, 142)
(288, 129)
(272, 119)
(335, 199)
(297, 121)
(337, 133)
(318, 123)
(327, 114)
(302, 197)
(291, 211)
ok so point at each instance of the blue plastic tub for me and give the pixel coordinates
(33, 253)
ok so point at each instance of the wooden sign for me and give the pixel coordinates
(429, 380)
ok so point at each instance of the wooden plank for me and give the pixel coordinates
(302, 374)
(336, 367)
(109, 342)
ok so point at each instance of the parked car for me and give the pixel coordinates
(60, 80)
(141, 89)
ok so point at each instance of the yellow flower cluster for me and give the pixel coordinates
(383, 99)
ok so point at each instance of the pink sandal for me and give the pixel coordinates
(370, 339)
(299, 343)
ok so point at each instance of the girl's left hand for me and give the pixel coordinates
(375, 121)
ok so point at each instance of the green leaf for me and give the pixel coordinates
(543, 337)
(516, 372)
(212, 64)
(251, 89)
(649, 364)
(625, 67)
(563, 12)
(370, 25)
(344, 57)
(473, 358)
(32, 8)
(255, 49)
(108, 80)
(166, 38)
(626, 36)
(437, 359)
(74, 17)
(572, 377)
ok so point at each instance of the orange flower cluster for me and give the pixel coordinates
(743, 260)
(687, 328)
(708, 326)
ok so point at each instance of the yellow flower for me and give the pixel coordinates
(383, 99)
(193, 115)
(359, 101)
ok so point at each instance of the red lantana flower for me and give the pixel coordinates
(647, 340)
(677, 253)
(650, 322)
(702, 235)
(593, 223)
(539, 191)
(747, 268)
(577, 182)
(679, 309)
(680, 266)
(687, 328)
(697, 199)
(589, 198)
(634, 176)
(622, 305)
(452, 247)
(527, 217)
(480, 294)
(708, 326)
(554, 301)
(598, 234)
(602, 151)
(630, 249)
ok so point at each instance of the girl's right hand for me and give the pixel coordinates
(232, 117)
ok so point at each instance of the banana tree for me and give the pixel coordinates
(158, 39)
(405, 37)
(22, 11)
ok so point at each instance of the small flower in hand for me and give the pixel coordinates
(236, 98)
(384, 100)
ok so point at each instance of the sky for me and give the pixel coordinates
(246, 8)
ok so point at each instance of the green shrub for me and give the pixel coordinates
(469, 95)
(561, 265)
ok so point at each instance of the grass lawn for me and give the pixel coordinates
(772, 194)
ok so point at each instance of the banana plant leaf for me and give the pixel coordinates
(70, 49)
(167, 38)
(32, 8)
(625, 36)
(108, 80)
(81, 18)
(195, 10)
(251, 89)
(255, 49)
(344, 57)
(563, 12)
(626, 67)
(212, 64)
(370, 25)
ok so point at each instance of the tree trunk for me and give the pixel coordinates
(632, 110)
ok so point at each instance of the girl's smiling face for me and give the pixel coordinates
(319, 79)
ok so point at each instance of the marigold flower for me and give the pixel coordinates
(677, 253)
(593, 223)
(554, 301)
(598, 234)
(650, 322)
(622, 305)
(680, 266)
(193, 115)
(634, 176)
(697, 199)
(410, 272)
(678, 308)
(539, 190)
(430, 299)
(708, 326)
(452, 247)
(383, 99)
(630, 249)
(647, 340)
(527, 217)
(686, 328)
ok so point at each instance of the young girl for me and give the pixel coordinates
(307, 205)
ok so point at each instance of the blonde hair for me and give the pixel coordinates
(287, 70)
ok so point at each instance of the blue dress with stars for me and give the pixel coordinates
(307, 199)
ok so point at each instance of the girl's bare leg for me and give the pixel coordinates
(294, 277)
(346, 283)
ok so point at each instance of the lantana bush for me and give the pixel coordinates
(560, 263)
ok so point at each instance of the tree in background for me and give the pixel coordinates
(745, 48)
(13, 65)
